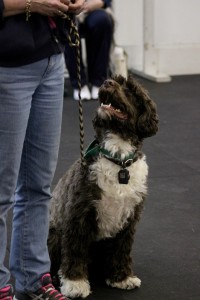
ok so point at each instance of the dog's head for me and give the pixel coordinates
(125, 109)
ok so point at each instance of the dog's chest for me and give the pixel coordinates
(117, 201)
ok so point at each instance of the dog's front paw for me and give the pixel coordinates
(127, 284)
(75, 288)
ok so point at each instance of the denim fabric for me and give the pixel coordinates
(31, 100)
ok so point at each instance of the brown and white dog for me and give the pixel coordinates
(95, 207)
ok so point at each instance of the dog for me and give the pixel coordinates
(96, 205)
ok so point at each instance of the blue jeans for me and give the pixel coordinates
(31, 100)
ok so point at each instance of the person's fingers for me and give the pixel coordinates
(76, 5)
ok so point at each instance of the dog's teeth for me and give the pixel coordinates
(108, 105)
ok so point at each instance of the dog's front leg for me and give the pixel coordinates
(76, 241)
(74, 268)
(119, 264)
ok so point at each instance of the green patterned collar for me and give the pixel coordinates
(94, 149)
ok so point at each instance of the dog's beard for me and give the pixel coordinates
(124, 128)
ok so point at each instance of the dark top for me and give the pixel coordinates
(23, 42)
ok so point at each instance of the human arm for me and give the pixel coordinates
(9, 7)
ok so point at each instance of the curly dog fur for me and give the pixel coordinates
(93, 214)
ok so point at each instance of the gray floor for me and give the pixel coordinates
(167, 245)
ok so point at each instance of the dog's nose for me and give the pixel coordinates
(108, 83)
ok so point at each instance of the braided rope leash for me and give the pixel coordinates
(74, 41)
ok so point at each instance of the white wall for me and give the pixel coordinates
(129, 29)
(159, 36)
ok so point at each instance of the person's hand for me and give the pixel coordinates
(49, 7)
(56, 7)
(91, 5)
(76, 6)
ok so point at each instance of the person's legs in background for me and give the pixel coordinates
(99, 36)
(71, 64)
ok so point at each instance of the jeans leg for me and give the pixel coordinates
(29, 257)
(14, 113)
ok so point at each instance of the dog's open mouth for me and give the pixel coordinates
(117, 112)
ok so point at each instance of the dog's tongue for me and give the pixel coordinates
(115, 112)
(120, 115)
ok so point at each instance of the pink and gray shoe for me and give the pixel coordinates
(6, 293)
(47, 291)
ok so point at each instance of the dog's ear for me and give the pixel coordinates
(147, 123)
